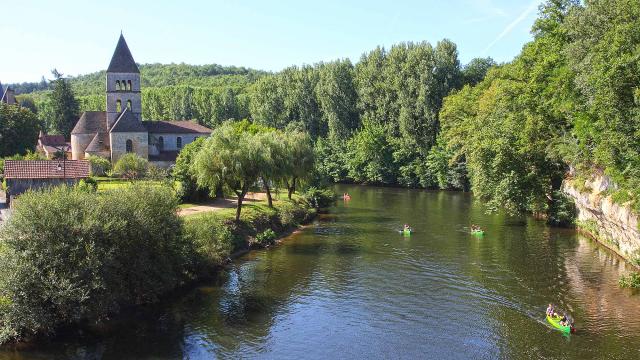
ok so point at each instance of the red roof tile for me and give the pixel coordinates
(46, 169)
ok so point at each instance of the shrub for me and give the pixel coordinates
(319, 198)
(212, 238)
(630, 281)
(266, 237)
(131, 166)
(99, 165)
(562, 211)
(88, 185)
(69, 255)
(293, 214)
(157, 173)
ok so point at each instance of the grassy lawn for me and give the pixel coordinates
(106, 183)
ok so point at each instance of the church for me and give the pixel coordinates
(120, 129)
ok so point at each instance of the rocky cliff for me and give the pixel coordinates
(614, 225)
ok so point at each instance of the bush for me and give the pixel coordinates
(562, 211)
(131, 166)
(69, 255)
(212, 238)
(319, 198)
(157, 173)
(88, 185)
(266, 237)
(630, 281)
(99, 165)
(293, 214)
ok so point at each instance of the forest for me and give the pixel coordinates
(414, 116)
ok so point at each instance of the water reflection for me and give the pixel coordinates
(351, 287)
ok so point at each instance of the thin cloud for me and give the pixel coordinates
(507, 30)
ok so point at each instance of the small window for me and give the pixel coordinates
(129, 146)
(179, 142)
(129, 85)
(129, 104)
(160, 143)
(118, 105)
(117, 85)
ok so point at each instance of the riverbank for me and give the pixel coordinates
(107, 251)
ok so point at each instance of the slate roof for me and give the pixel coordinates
(122, 60)
(91, 122)
(46, 169)
(175, 127)
(99, 143)
(52, 140)
(127, 122)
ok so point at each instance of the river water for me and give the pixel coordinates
(351, 287)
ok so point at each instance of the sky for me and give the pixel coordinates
(78, 37)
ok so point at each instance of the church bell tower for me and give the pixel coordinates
(123, 84)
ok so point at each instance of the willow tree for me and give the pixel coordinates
(297, 162)
(229, 158)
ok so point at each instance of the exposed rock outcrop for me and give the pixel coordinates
(613, 224)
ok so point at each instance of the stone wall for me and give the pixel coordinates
(615, 225)
(119, 144)
(79, 143)
(170, 141)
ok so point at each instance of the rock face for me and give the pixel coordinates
(615, 225)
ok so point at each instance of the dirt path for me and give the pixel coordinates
(220, 204)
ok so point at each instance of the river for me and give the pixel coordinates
(350, 286)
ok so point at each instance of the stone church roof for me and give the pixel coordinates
(91, 122)
(122, 60)
(100, 143)
(175, 127)
(127, 122)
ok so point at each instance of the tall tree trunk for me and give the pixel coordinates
(241, 196)
(292, 187)
(268, 190)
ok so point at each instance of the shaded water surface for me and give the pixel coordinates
(350, 286)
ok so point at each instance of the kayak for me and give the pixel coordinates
(406, 232)
(555, 321)
(477, 232)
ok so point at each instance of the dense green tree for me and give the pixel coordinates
(19, 129)
(64, 106)
(183, 173)
(336, 95)
(474, 71)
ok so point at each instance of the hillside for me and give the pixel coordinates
(159, 75)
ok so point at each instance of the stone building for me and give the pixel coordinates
(120, 129)
(52, 146)
(7, 95)
(23, 175)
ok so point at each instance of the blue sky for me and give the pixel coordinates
(78, 37)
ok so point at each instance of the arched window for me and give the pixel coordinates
(179, 142)
(160, 143)
(129, 104)
(129, 146)
(129, 85)
(118, 105)
(117, 85)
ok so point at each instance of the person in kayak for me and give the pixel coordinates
(407, 227)
(550, 311)
(475, 228)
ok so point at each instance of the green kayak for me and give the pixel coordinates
(406, 232)
(477, 232)
(555, 321)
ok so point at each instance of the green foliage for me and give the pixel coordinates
(131, 166)
(88, 185)
(99, 165)
(64, 106)
(70, 255)
(319, 198)
(19, 129)
(562, 211)
(212, 238)
(266, 237)
(370, 156)
(630, 281)
(184, 175)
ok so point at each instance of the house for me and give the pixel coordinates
(23, 175)
(120, 129)
(7, 95)
(52, 146)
